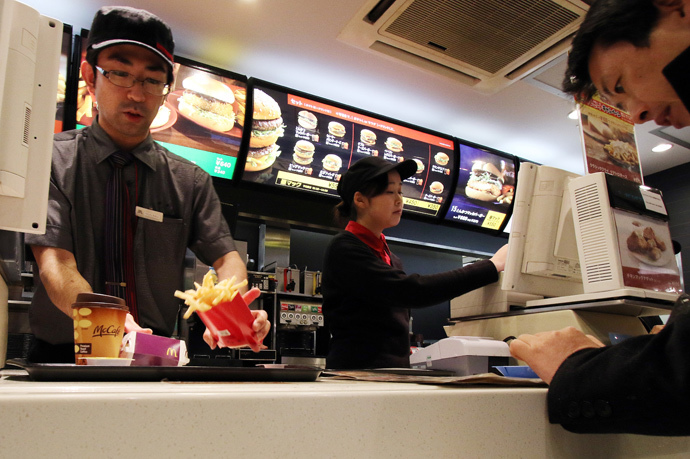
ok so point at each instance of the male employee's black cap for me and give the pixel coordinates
(121, 25)
(367, 169)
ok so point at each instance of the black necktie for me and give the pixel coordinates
(119, 236)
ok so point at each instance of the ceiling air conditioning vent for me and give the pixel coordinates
(486, 44)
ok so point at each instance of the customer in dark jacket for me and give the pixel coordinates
(366, 293)
(636, 55)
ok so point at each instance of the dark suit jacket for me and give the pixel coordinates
(641, 385)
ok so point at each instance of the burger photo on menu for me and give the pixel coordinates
(261, 158)
(303, 153)
(367, 137)
(485, 182)
(394, 144)
(307, 120)
(336, 129)
(441, 158)
(436, 187)
(207, 102)
(267, 127)
(267, 122)
(332, 163)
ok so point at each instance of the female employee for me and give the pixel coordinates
(366, 293)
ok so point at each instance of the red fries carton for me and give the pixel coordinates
(230, 322)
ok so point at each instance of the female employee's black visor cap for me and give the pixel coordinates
(367, 169)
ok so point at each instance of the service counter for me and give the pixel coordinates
(325, 418)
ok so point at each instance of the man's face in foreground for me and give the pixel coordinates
(631, 78)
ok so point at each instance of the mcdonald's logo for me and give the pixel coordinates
(171, 351)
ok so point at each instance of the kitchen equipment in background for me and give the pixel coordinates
(301, 314)
(311, 283)
(288, 280)
(263, 281)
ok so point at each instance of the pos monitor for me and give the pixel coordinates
(590, 238)
(542, 255)
(29, 62)
(303, 142)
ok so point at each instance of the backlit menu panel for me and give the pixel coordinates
(485, 188)
(303, 142)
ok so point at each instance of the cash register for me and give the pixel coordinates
(592, 251)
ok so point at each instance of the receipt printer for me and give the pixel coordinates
(463, 355)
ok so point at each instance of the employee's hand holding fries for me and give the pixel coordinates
(210, 294)
(261, 327)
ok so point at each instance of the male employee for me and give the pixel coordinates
(129, 240)
(636, 55)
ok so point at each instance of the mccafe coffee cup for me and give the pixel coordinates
(99, 325)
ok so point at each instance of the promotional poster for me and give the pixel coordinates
(647, 256)
(608, 140)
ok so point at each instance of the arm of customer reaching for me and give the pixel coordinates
(545, 352)
(640, 385)
(63, 282)
(229, 265)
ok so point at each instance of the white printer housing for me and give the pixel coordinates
(463, 355)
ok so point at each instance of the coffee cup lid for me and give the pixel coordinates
(95, 304)
(89, 297)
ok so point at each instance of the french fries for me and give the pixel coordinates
(209, 293)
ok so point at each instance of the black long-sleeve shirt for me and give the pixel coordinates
(366, 302)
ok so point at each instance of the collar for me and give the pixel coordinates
(377, 244)
(106, 147)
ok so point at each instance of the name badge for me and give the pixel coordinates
(148, 214)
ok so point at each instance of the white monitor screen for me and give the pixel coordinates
(29, 61)
(542, 256)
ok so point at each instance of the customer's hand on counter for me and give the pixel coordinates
(545, 352)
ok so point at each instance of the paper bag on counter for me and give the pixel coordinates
(153, 350)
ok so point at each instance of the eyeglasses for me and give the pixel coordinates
(127, 80)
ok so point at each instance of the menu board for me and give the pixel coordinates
(485, 188)
(303, 142)
(201, 119)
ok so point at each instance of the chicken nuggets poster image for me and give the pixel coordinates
(646, 252)
(608, 141)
